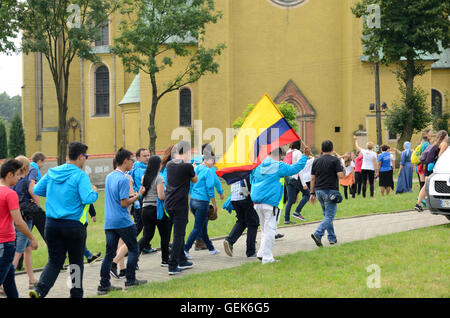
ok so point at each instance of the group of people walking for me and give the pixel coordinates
(159, 192)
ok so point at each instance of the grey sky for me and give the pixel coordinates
(11, 73)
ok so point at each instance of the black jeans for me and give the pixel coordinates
(179, 219)
(367, 175)
(358, 183)
(247, 218)
(128, 235)
(61, 240)
(150, 221)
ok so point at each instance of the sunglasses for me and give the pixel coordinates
(86, 156)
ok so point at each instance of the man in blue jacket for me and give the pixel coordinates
(266, 193)
(67, 189)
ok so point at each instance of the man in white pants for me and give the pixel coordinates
(266, 193)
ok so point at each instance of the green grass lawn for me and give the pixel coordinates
(224, 223)
(413, 264)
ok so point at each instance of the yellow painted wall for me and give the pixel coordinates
(317, 45)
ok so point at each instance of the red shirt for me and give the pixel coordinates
(358, 163)
(9, 201)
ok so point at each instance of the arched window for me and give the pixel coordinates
(185, 107)
(436, 102)
(102, 91)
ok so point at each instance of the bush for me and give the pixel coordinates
(3, 141)
(16, 137)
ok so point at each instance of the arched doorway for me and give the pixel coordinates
(306, 112)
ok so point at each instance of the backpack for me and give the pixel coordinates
(415, 157)
(288, 158)
(429, 155)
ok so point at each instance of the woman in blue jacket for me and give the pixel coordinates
(202, 193)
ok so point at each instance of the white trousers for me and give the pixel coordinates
(268, 223)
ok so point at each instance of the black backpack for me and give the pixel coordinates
(28, 209)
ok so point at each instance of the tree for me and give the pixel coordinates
(62, 30)
(288, 110)
(410, 107)
(408, 30)
(9, 14)
(155, 31)
(9, 106)
(16, 137)
(3, 141)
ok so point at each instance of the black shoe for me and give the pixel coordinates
(104, 290)
(186, 265)
(418, 208)
(164, 264)
(113, 271)
(316, 240)
(134, 283)
(332, 243)
(228, 248)
(122, 273)
(94, 257)
(279, 235)
(175, 271)
(149, 251)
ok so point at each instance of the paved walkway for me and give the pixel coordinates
(297, 238)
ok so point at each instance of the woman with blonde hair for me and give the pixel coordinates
(24, 189)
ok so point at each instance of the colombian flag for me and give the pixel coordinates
(264, 130)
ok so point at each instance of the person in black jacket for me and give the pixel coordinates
(247, 218)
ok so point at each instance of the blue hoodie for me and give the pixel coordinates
(265, 180)
(68, 189)
(198, 161)
(203, 190)
(137, 173)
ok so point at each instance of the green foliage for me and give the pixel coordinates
(9, 14)
(288, 110)
(3, 141)
(441, 119)
(408, 28)
(410, 106)
(16, 138)
(9, 106)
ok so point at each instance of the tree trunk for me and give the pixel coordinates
(151, 127)
(408, 129)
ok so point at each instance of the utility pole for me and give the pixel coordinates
(378, 103)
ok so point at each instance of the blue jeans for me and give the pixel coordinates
(329, 212)
(7, 278)
(200, 230)
(292, 197)
(129, 237)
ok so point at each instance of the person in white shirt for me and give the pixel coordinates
(369, 166)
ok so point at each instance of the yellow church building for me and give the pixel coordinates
(306, 52)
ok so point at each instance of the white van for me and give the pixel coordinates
(438, 186)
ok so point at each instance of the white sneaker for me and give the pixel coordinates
(188, 256)
(216, 251)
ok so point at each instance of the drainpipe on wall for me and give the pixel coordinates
(114, 101)
(82, 101)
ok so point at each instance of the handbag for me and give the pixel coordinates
(296, 183)
(27, 208)
(212, 215)
(335, 196)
